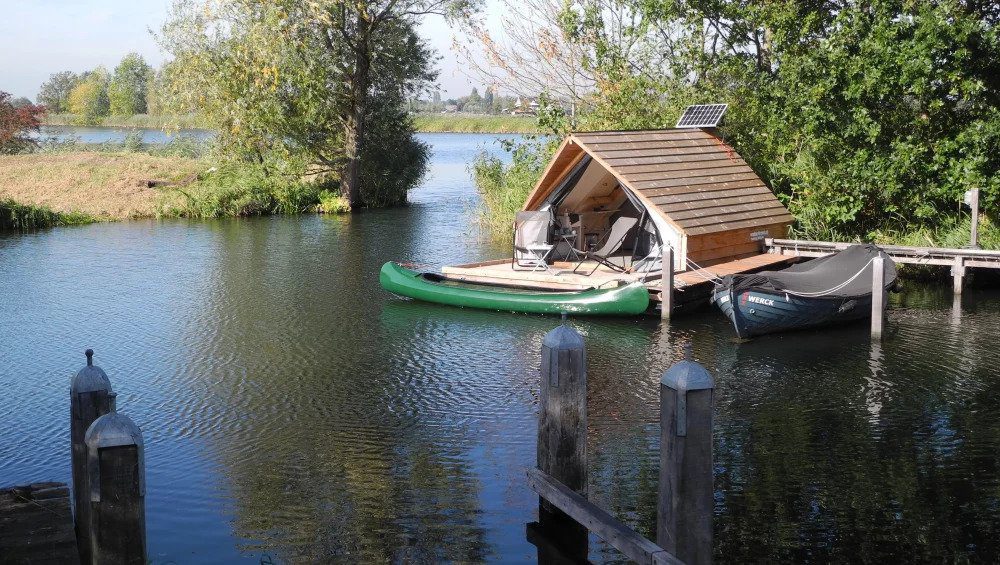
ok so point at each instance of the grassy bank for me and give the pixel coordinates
(182, 121)
(461, 123)
(73, 187)
(15, 216)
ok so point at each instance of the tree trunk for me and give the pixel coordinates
(354, 127)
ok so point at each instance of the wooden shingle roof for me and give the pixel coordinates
(694, 178)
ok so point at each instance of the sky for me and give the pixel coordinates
(41, 37)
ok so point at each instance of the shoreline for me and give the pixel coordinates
(423, 123)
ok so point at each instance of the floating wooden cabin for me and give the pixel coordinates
(687, 188)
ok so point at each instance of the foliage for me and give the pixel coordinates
(474, 123)
(167, 122)
(240, 190)
(505, 186)
(23, 217)
(54, 93)
(129, 85)
(861, 116)
(89, 98)
(17, 124)
(304, 82)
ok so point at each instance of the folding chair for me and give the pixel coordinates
(612, 243)
(531, 241)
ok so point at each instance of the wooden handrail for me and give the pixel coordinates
(620, 536)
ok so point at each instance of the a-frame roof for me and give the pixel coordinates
(697, 181)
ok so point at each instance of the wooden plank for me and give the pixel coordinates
(728, 252)
(694, 198)
(646, 151)
(36, 525)
(688, 170)
(692, 182)
(630, 164)
(772, 218)
(878, 296)
(703, 187)
(723, 239)
(606, 526)
(902, 249)
(687, 166)
(641, 136)
(613, 145)
(720, 214)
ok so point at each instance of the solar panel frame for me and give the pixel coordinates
(702, 116)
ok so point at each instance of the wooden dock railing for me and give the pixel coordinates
(685, 502)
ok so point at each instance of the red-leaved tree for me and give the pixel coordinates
(17, 125)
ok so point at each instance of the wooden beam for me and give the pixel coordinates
(606, 526)
(878, 296)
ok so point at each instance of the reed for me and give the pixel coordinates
(15, 216)
(464, 123)
(164, 122)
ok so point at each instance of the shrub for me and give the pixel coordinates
(17, 124)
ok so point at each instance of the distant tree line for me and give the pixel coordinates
(134, 87)
(490, 102)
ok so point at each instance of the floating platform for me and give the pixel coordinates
(691, 287)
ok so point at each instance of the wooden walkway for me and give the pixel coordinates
(958, 259)
(36, 525)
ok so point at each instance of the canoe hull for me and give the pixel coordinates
(755, 313)
(627, 300)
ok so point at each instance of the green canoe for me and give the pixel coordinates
(624, 300)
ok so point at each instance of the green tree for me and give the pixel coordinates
(488, 100)
(129, 86)
(89, 98)
(292, 84)
(54, 93)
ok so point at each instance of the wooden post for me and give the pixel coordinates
(974, 239)
(667, 283)
(117, 490)
(878, 296)
(685, 506)
(89, 399)
(562, 434)
(958, 274)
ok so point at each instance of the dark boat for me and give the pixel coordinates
(831, 289)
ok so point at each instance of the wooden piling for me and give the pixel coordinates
(89, 399)
(878, 296)
(974, 238)
(685, 506)
(117, 490)
(958, 274)
(667, 283)
(562, 434)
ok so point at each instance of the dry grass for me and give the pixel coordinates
(109, 186)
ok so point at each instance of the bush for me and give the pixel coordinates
(17, 124)
(240, 190)
(22, 217)
(504, 187)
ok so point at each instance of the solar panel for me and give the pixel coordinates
(702, 116)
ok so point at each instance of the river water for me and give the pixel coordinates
(294, 411)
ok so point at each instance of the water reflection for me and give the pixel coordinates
(291, 407)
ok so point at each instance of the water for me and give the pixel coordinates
(101, 134)
(294, 410)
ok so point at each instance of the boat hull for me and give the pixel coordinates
(632, 299)
(755, 313)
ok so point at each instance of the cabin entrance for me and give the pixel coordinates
(595, 216)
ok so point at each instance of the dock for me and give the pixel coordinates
(36, 525)
(690, 287)
(958, 259)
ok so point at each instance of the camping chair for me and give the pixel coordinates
(612, 242)
(531, 241)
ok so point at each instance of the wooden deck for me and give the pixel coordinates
(36, 525)
(689, 286)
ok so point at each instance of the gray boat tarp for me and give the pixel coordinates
(845, 274)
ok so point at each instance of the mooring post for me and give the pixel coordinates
(958, 274)
(974, 239)
(878, 296)
(89, 399)
(667, 283)
(117, 490)
(562, 434)
(685, 505)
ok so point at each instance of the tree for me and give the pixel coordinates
(295, 80)
(488, 100)
(129, 86)
(17, 123)
(20, 102)
(89, 98)
(54, 93)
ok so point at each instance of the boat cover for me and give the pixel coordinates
(840, 275)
